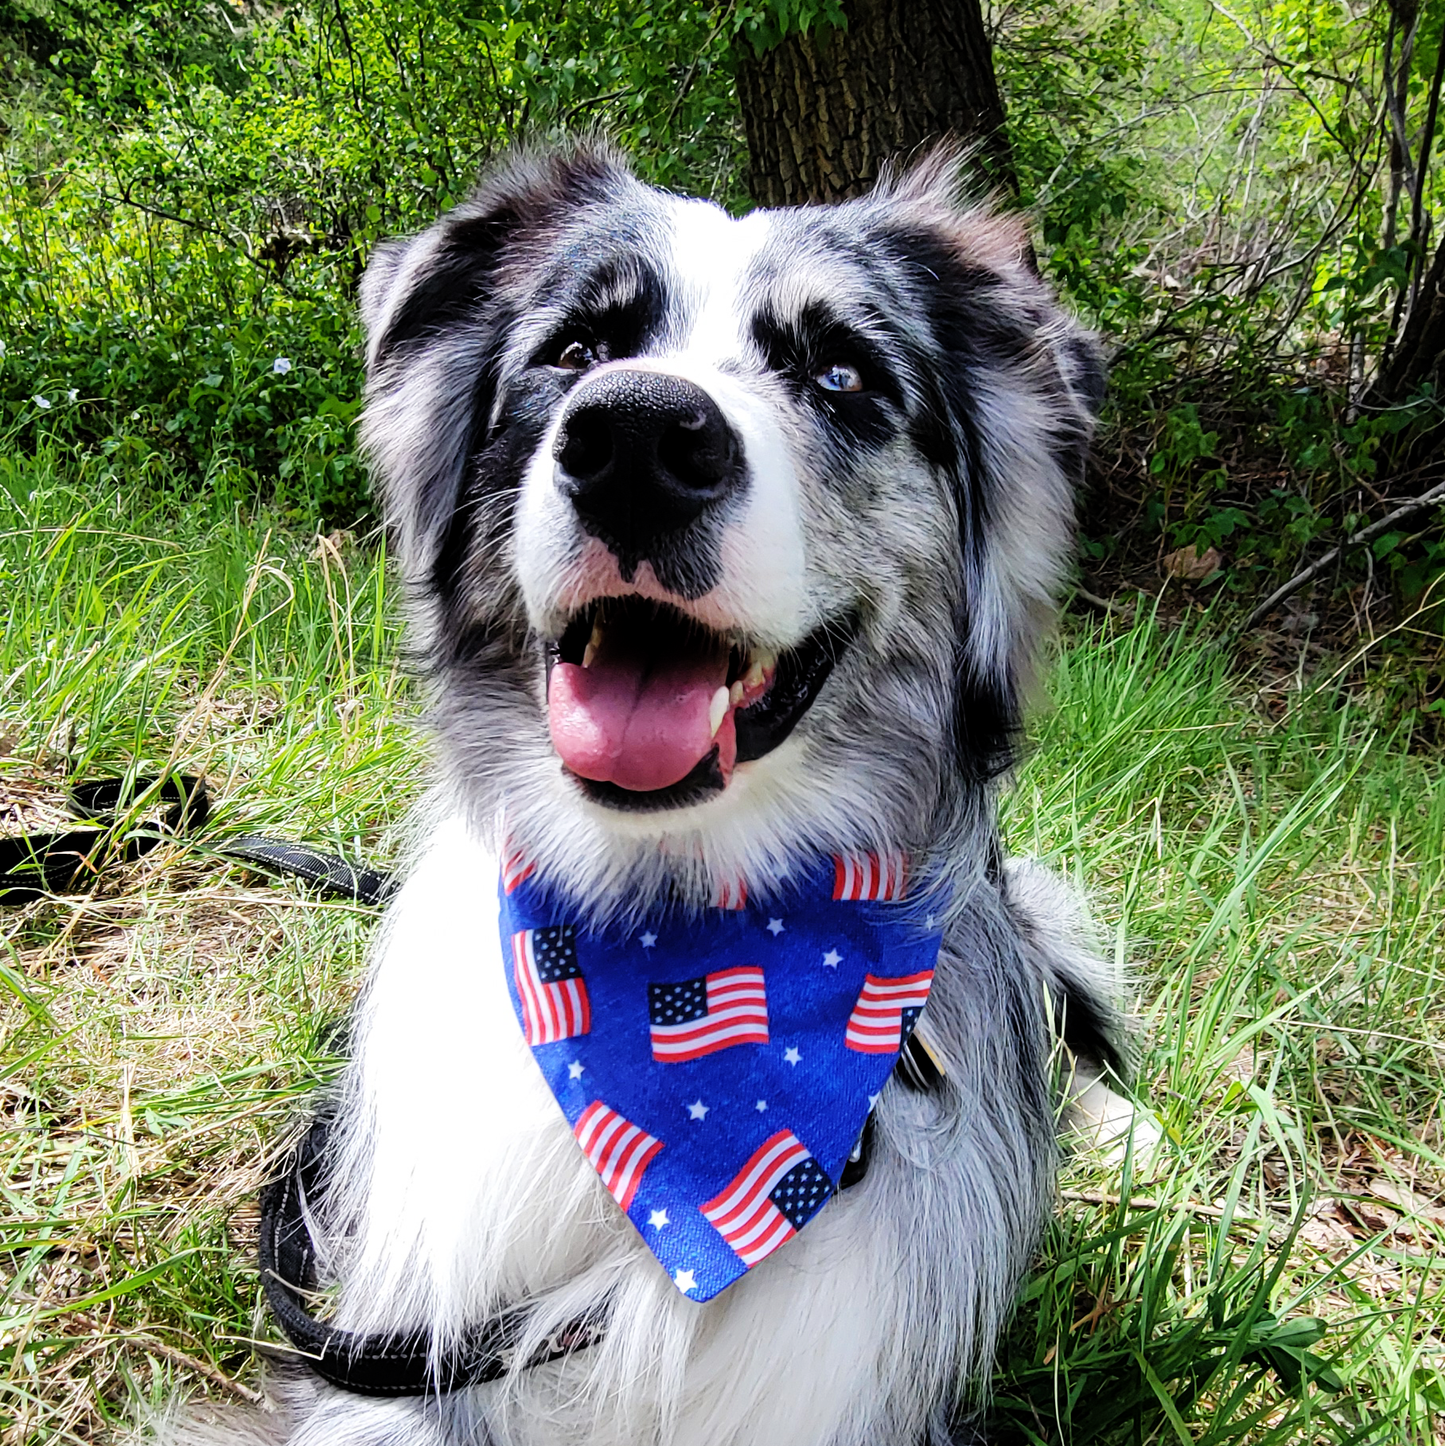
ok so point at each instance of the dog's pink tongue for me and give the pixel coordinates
(639, 721)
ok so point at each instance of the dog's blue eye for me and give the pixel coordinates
(840, 378)
(576, 356)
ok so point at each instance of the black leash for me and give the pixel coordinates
(330, 874)
(69, 860)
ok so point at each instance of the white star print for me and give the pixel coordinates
(791, 1055)
(685, 1280)
(574, 1070)
(928, 922)
(657, 1219)
(832, 959)
(762, 1105)
(872, 1100)
(775, 927)
(649, 939)
(698, 1110)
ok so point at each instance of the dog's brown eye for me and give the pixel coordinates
(576, 356)
(840, 378)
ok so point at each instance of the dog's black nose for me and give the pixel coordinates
(642, 456)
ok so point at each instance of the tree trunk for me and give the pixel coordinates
(1419, 355)
(822, 115)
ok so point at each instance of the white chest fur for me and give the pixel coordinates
(466, 1191)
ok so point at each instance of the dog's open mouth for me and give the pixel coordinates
(650, 709)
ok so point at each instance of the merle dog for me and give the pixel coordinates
(728, 544)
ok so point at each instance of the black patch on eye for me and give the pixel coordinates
(973, 333)
(461, 280)
(495, 465)
(799, 347)
(462, 275)
(617, 308)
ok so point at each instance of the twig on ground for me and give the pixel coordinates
(209, 1372)
(1094, 600)
(1195, 1207)
(178, 1357)
(1368, 534)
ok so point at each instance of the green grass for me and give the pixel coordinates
(159, 1035)
(1269, 865)
(1273, 870)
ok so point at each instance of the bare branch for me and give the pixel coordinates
(1368, 534)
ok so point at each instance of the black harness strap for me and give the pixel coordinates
(377, 1365)
(386, 1364)
(402, 1364)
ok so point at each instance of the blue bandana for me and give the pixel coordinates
(717, 1069)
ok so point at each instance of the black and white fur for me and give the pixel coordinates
(932, 508)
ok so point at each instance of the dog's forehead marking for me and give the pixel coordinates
(727, 273)
(712, 254)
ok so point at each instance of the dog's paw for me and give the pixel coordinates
(1099, 1122)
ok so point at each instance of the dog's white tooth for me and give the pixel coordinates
(593, 643)
(717, 710)
(763, 662)
(736, 693)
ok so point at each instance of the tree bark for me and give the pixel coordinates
(1419, 355)
(823, 114)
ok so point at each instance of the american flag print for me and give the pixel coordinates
(869, 878)
(550, 984)
(730, 894)
(702, 1016)
(517, 868)
(619, 1150)
(770, 1199)
(886, 1012)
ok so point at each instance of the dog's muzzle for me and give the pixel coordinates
(647, 707)
(645, 459)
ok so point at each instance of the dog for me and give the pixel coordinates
(728, 546)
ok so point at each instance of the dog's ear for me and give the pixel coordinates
(436, 310)
(1016, 387)
(378, 286)
(412, 289)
